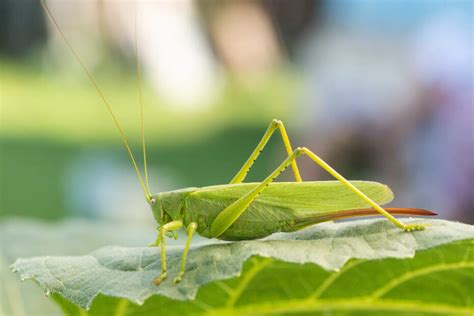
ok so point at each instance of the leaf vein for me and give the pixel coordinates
(416, 273)
(305, 306)
(246, 279)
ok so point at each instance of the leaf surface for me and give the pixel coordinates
(128, 272)
(437, 281)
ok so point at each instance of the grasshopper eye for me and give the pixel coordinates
(152, 202)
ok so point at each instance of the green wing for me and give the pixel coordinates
(310, 195)
(282, 206)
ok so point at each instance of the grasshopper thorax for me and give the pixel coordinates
(169, 206)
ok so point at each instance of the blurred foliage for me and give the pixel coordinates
(50, 118)
(65, 107)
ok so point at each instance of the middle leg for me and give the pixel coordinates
(190, 231)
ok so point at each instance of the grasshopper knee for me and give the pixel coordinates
(276, 122)
(300, 151)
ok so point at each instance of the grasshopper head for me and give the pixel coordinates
(169, 206)
(156, 204)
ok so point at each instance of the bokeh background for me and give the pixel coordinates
(382, 90)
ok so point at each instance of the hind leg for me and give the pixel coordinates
(274, 125)
(232, 212)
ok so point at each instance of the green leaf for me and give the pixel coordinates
(438, 281)
(23, 237)
(302, 263)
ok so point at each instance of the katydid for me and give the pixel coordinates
(243, 211)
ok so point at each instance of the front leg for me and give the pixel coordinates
(171, 226)
(191, 229)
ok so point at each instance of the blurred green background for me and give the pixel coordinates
(380, 93)
(53, 130)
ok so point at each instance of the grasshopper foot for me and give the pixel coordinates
(413, 227)
(178, 278)
(160, 279)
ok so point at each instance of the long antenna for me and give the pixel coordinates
(101, 95)
(140, 98)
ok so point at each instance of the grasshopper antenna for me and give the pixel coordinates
(140, 100)
(101, 95)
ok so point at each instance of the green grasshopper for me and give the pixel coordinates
(244, 211)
